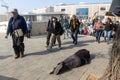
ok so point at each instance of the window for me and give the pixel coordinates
(62, 10)
(102, 8)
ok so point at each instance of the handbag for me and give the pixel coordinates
(18, 33)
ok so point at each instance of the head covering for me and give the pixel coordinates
(14, 11)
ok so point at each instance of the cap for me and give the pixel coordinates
(14, 11)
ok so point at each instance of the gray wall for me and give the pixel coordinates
(39, 28)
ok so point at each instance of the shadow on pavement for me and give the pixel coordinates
(99, 55)
(4, 57)
(54, 50)
(6, 78)
(79, 42)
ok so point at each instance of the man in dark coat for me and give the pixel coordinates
(78, 59)
(55, 30)
(16, 23)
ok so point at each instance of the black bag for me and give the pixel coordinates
(61, 31)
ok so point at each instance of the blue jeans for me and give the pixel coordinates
(98, 34)
(74, 36)
(66, 33)
(80, 30)
(107, 34)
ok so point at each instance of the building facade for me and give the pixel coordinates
(84, 10)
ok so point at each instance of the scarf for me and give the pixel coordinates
(74, 23)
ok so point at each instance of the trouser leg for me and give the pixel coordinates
(105, 35)
(59, 40)
(48, 38)
(52, 40)
(15, 47)
(99, 35)
(109, 36)
(72, 35)
(76, 37)
(21, 46)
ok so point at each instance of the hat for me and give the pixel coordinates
(14, 11)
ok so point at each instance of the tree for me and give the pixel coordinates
(113, 70)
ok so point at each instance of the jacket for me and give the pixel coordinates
(55, 30)
(72, 27)
(65, 24)
(108, 27)
(18, 23)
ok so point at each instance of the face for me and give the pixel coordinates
(54, 20)
(99, 21)
(74, 17)
(107, 20)
(64, 17)
(15, 14)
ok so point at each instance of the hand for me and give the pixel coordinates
(46, 31)
(6, 36)
(26, 35)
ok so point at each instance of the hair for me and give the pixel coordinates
(54, 18)
(109, 19)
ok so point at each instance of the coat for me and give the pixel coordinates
(19, 23)
(71, 25)
(80, 58)
(55, 30)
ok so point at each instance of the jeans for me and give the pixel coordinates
(80, 30)
(74, 36)
(66, 33)
(98, 34)
(107, 34)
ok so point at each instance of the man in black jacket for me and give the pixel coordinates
(55, 29)
(48, 30)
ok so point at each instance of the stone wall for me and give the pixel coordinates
(39, 28)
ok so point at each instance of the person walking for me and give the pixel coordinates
(55, 30)
(29, 27)
(74, 26)
(49, 33)
(17, 28)
(65, 26)
(97, 28)
(108, 30)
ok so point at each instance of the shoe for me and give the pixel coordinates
(47, 47)
(16, 57)
(58, 68)
(59, 47)
(75, 43)
(108, 43)
(64, 38)
(50, 49)
(98, 41)
(21, 55)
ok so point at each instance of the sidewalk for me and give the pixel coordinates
(39, 62)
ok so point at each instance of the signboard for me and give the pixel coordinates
(82, 13)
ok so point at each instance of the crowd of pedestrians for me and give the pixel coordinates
(69, 28)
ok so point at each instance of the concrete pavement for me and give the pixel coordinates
(39, 62)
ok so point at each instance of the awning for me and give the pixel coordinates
(114, 9)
